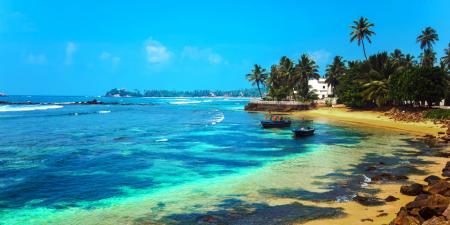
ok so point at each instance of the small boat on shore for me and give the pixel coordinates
(276, 121)
(303, 131)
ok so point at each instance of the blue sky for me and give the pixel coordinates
(88, 47)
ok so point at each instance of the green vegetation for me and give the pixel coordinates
(381, 79)
(196, 93)
(258, 76)
(437, 114)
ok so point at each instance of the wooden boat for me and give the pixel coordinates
(276, 121)
(303, 131)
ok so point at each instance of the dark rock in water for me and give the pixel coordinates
(404, 219)
(391, 198)
(120, 138)
(432, 179)
(207, 219)
(371, 168)
(437, 221)
(412, 190)
(388, 177)
(367, 201)
(268, 106)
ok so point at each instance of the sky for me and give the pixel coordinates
(87, 47)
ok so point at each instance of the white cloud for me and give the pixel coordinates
(196, 53)
(320, 56)
(106, 56)
(156, 52)
(37, 58)
(70, 50)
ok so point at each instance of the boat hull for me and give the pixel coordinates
(303, 133)
(276, 124)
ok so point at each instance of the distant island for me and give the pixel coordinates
(251, 92)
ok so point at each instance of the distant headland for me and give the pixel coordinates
(251, 92)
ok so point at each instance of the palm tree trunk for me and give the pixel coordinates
(257, 84)
(364, 49)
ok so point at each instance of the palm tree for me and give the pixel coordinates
(305, 69)
(445, 60)
(258, 76)
(361, 31)
(376, 91)
(398, 57)
(428, 57)
(427, 38)
(334, 71)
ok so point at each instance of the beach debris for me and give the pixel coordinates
(412, 190)
(391, 198)
(367, 220)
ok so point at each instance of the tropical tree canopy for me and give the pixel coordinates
(361, 31)
(258, 77)
(427, 38)
(334, 71)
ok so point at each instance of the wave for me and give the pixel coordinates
(218, 118)
(184, 102)
(103, 111)
(8, 108)
(162, 140)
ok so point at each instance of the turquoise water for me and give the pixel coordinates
(122, 164)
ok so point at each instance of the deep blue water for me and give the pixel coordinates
(58, 157)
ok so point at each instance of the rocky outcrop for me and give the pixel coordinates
(431, 205)
(252, 106)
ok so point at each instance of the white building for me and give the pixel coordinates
(322, 89)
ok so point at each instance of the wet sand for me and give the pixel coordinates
(355, 212)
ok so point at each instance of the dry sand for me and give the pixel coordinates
(356, 213)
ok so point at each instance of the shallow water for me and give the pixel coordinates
(168, 162)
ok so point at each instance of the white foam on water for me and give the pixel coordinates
(104, 111)
(162, 140)
(9, 108)
(184, 102)
(218, 118)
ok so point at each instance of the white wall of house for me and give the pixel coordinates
(322, 89)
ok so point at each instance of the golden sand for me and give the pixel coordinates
(356, 213)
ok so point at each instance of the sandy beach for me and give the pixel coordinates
(355, 212)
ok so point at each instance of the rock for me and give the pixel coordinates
(446, 213)
(436, 221)
(367, 219)
(367, 201)
(412, 190)
(382, 214)
(446, 170)
(426, 213)
(439, 187)
(436, 202)
(404, 219)
(371, 168)
(391, 198)
(388, 177)
(432, 179)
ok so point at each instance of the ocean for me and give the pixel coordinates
(175, 161)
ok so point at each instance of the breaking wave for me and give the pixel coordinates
(9, 108)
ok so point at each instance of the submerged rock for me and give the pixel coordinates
(388, 177)
(367, 201)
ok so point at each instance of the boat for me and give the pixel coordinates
(276, 121)
(303, 131)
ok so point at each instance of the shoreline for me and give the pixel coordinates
(384, 214)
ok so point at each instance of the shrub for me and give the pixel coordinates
(437, 114)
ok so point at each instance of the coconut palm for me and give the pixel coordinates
(427, 38)
(305, 70)
(334, 71)
(361, 31)
(428, 57)
(258, 77)
(445, 60)
(376, 91)
(397, 57)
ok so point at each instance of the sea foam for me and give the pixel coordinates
(8, 108)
